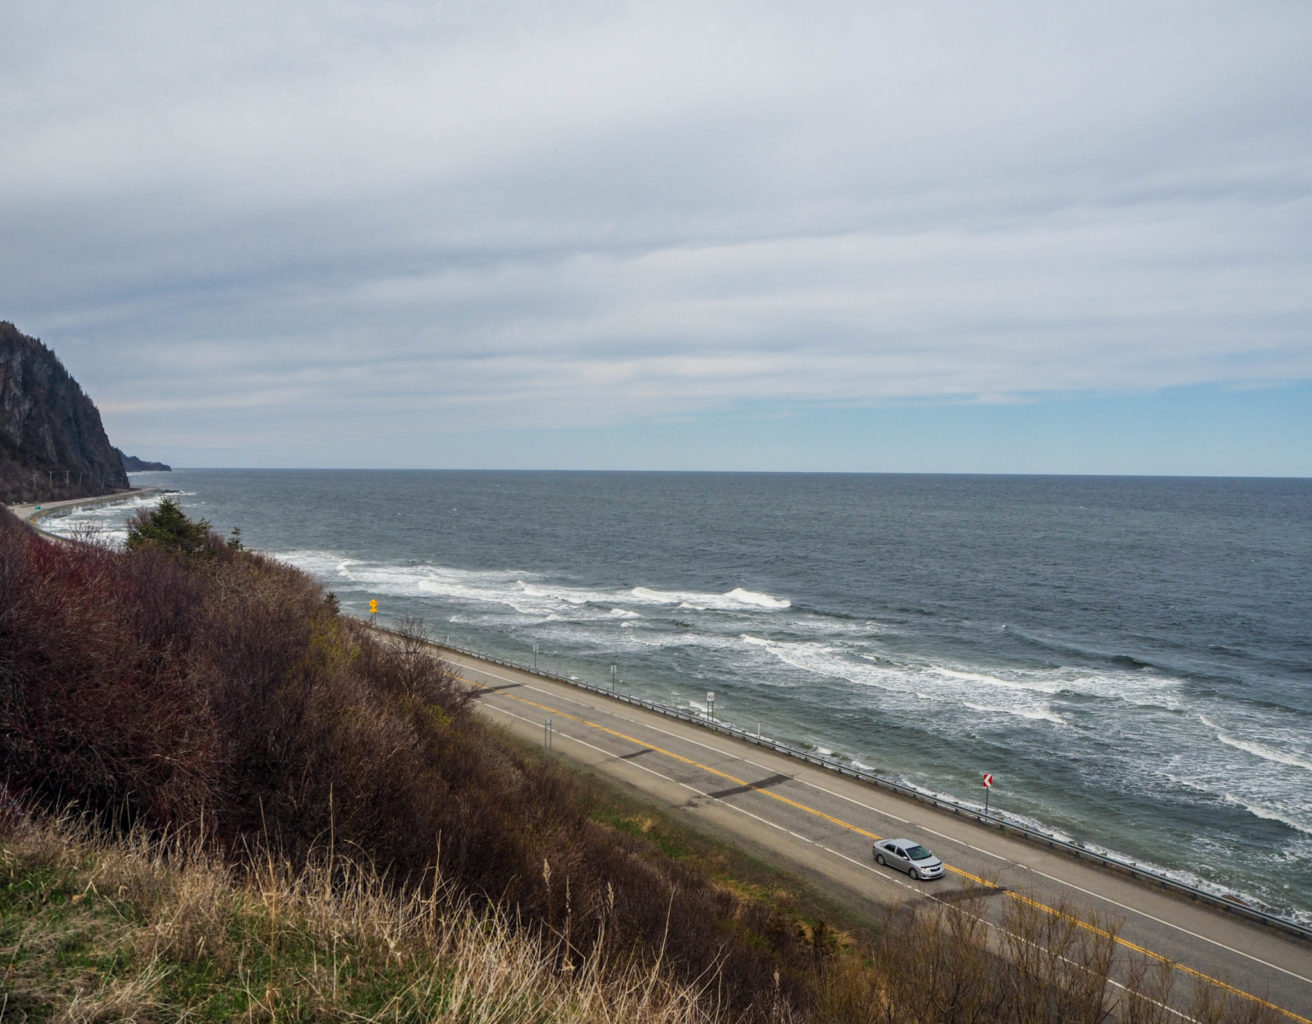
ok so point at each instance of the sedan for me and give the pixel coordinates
(908, 856)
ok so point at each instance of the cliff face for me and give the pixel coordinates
(52, 442)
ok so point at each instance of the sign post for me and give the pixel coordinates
(373, 610)
(988, 785)
(710, 704)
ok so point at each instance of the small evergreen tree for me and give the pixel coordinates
(168, 527)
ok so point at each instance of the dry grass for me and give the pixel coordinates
(139, 929)
(142, 930)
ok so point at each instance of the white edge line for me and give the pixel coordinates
(873, 810)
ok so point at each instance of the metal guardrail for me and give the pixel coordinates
(993, 820)
(66, 506)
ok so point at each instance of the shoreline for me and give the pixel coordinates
(32, 512)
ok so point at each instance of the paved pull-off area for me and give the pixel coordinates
(821, 826)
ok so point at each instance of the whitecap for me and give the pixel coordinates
(1033, 714)
(1268, 754)
(756, 600)
(1264, 752)
(737, 599)
(1032, 684)
(1268, 813)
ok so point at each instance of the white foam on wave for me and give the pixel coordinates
(577, 596)
(825, 660)
(1032, 714)
(685, 638)
(1032, 683)
(448, 584)
(739, 595)
(846, 654)
(1259, 750)
(908, 684)
(737, 599)
(1266, 787)
(325, 566)
(461, 586)
(1268, 754)
(534, 597)
(1138, 687)
(1280, 815)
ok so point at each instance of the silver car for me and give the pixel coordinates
(908, 856)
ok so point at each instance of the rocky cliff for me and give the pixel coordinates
(52, 442)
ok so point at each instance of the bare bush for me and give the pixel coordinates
(1058, 963)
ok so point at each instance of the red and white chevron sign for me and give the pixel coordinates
(988, 781)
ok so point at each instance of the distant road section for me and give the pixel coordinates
(33, 512)
(821, 826)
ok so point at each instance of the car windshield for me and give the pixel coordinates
(918, 853)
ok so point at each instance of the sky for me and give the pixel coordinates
(957, 237)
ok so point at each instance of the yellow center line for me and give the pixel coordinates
(806, 809)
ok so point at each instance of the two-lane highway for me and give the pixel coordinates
(822, 825)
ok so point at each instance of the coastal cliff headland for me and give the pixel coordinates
(53, 444)
(52, 441)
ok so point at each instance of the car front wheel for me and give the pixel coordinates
(879, 859)
(914, 874)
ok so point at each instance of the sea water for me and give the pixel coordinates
(1128, 657)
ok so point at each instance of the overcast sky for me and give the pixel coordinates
(929, 237)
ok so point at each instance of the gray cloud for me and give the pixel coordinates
(242, 223)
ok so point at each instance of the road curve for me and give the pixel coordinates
(821, 826)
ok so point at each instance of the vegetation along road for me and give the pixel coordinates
(822, 825)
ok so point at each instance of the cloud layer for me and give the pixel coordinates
(246, 227)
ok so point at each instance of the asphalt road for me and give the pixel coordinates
(821, 826)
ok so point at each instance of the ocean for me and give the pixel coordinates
(1129, 657)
